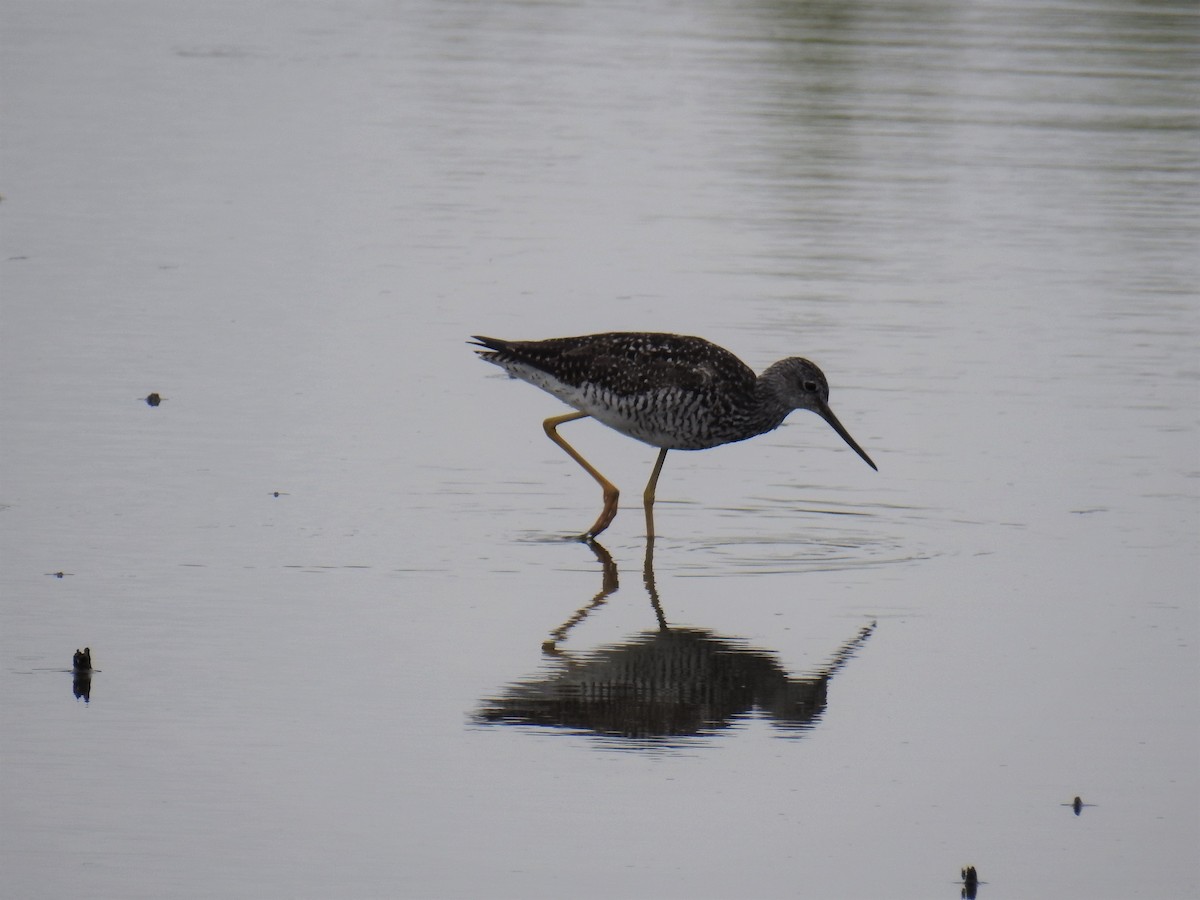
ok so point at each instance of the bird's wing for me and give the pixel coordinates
(656, 362)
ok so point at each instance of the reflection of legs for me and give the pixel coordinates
(610, 490)
(608, 587)
(648, 495)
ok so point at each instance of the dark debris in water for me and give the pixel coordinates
(1077, 805)
(970, 882)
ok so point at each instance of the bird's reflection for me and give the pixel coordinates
(665, 684)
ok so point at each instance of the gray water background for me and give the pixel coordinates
(980, 220)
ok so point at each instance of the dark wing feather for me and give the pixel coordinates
(629, 362)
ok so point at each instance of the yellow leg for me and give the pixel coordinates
(648, 494)
(610, 490)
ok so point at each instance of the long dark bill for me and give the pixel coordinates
(827, 414)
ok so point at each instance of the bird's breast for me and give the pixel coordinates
(674, 418)
(670, 418)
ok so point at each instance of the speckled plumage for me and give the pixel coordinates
(670, 391)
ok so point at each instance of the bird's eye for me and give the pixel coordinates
(810, 386)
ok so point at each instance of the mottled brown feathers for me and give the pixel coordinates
(626, 363)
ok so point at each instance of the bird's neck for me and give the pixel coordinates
(767, 410)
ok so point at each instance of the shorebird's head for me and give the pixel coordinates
(802, 385)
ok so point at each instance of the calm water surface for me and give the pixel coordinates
(342, 646)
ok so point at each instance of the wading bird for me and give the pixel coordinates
(667, 390)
